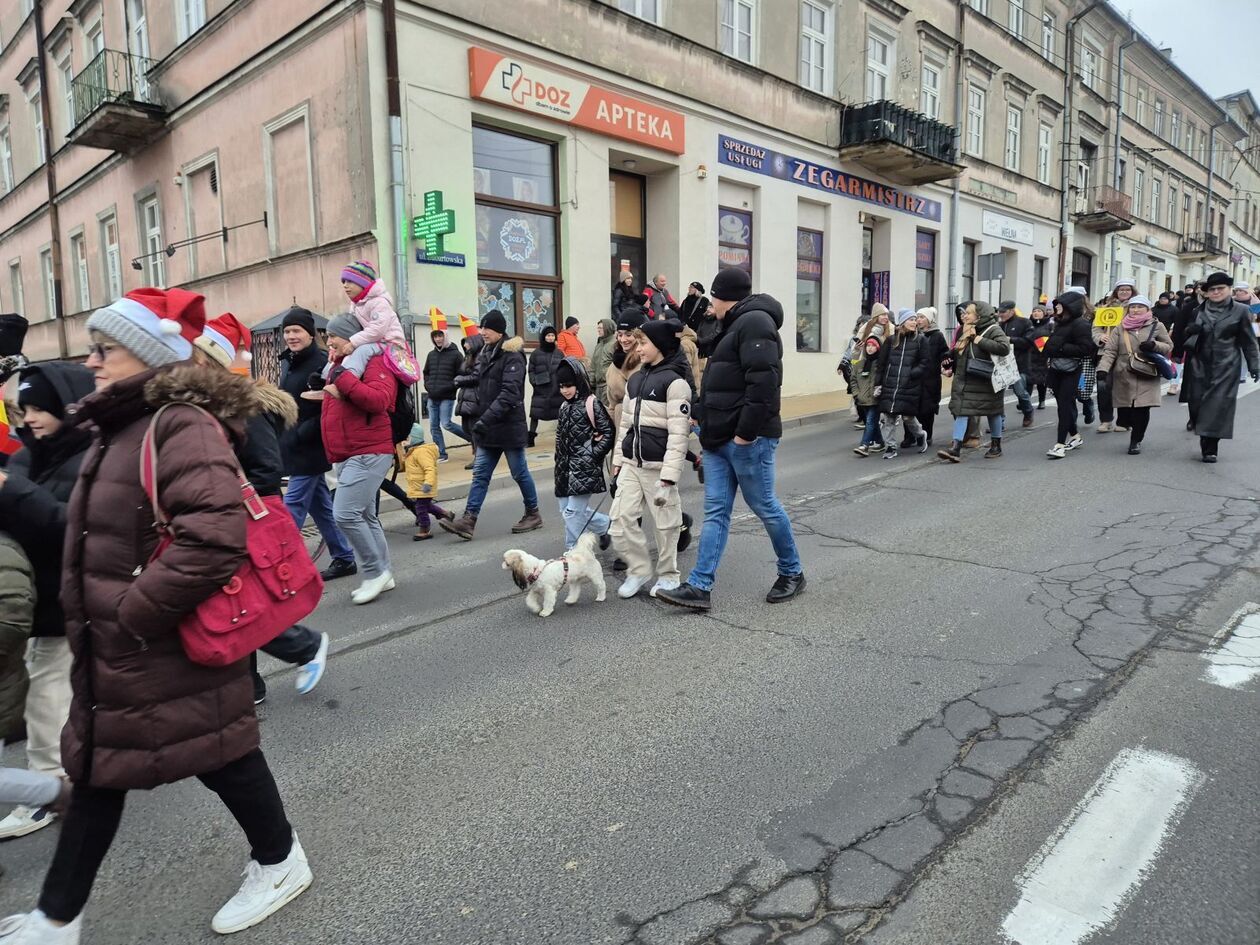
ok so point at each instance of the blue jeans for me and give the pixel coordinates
(750, 469)
(871, 437)
(576, 510)
(440, 413)
(487, 459)
(1020, 387)
(309, 495)
(995, 427)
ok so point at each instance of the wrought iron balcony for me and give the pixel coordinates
(899, 143)
(116, 105)
(1201, 246)
(1104, 210)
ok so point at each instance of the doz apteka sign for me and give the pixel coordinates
(531, 87)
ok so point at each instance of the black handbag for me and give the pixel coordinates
(1065, 365)
(980, 367)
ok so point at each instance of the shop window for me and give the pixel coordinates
(924, 269)
(518, 230)
(735, 235)
(809, 273)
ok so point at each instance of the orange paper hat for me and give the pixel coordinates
(437, 321)
(468, 325)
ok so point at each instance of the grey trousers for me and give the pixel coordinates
(354, 510)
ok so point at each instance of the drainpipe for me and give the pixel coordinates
(50, 178)
(398, 216)
(955, 231)
(1066, 164)
(1115, 152)
(1211, 174)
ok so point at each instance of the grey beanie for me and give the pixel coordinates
(344, 325)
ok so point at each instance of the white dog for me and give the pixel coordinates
(544, 579)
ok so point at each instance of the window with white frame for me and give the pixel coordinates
(1044, 137)
(879, 63)
(930, 90)
(1172, 206)
(191, 16)
(649, 10)
(1014, 127)
(1139, 193)
(1156, 202)
(37, 119)
(46, 277)
(975, 120)
(1047, 35)
(736, 31)
(1089, 66)
(816, 46)
(15, 287)
(151, 242)
(78, 257)
(1015, 18)
(6, 160)
(1141, 107)
(1174, 132)
(980, 6)
(95, 36)
(1188, 147)
(112, 257)
(67, 91)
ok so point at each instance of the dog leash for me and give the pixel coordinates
(594, 512)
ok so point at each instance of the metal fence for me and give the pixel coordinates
(888, 121)
(112, 76)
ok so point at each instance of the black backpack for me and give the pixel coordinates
(404, 413)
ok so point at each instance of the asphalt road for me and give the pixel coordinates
(877, 760)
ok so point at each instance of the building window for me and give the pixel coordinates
(67, 89)
(1159, 117)
(192, 17)
(1015, 18)
(1189, 145)
(78, 255)
(1089, 66)
(924, 268)
(1174, 132)
(816, 47)
(968, 271)
(879, 60)
(95, 35)
(735, 236)
(37, 119)
(1139, 192)
(1156, 202)
(151, 244)
(1044, 133)
(1141, 107)
(736, 32)
(46, 277)
(930, 91)
(518, 229)
(1122, 168)
(1039, 277)
(1172, 207)
(809, 281)
(1014, 124)
(1047, 35)
(6, 160)
(975, 120)
(980, 6)
(112, 258)
(15, 287)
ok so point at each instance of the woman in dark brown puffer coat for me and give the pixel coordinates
(142, 714)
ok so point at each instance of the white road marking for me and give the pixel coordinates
(1234, 659)
(1083, 875)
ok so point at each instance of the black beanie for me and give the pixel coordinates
(301, 318)
(565, 375)
(570, 322)
(663, 333)
(628, 319)
(36, 390)
(731, 285)
(495, 321)
(12, 334)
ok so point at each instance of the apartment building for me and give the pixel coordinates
(1243, 170)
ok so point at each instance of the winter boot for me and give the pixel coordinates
(462, 526)
(953, 454)
(995, 448)
(529, 521)
(972, 443)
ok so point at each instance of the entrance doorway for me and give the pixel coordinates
(1083, 271)
(627, 194)
(868, 253)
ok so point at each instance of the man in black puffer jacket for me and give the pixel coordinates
(440, 369)
(740, 430)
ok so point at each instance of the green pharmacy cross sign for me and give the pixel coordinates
(431, 229)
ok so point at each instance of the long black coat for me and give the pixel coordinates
(440, 369)
(1037, 357)
(744, 378)
(33, 499)
(580, 445)
(501, 395)
(937, 346)
(1216, 344)
(544, 403)
(302, 444)
(902, 368)
(466, 403)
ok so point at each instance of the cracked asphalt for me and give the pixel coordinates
(625, 773)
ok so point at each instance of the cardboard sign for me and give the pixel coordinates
(1108, 317)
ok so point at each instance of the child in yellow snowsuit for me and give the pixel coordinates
(421, 467)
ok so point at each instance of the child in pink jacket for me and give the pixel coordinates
(373, 308)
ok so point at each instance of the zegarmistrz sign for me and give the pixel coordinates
(753, 157)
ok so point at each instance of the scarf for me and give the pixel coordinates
(1136, 322)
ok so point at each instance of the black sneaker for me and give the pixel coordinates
(685, 595)
(619, 564)
(684, 536)
(605, 541)
(339, 567)
(260, 691)
(785, 588)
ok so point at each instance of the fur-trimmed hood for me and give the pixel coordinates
(515, 343)
(273, 400)
(226, 395)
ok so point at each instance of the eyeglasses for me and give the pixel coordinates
(101, 350)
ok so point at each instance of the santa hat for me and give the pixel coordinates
(223, 338)
(158, 326)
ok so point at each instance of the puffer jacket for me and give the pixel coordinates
(375, 312)
(544, 402)
(260, 454)
(866, 377)
(467, 404)
(903, 363)
(937, 351)
(302, 445)
(655, 421)
(975, 396)
(581, 444)
(142, 714)
(501, 394)
(33, 499)
(421, 468)
(17, 609)
(618, 378)
(1070, 338)
(744, 377)
(440, 370)
(357, 423)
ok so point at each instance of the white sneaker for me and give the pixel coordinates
(631, 586)
(33, 928)
(1075, 441)
(1103, 427)
(1058, 451)
(24, 820)
(372, 588)
(663, 585)
(266, 889)
(309, 674)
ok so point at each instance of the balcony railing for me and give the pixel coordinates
(899, 141)
(1203, 245)
(1104, 209)
(116, 105)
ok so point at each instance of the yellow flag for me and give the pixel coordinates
(1108, 317)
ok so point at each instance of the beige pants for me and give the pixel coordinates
(47, 703)
(635, 489)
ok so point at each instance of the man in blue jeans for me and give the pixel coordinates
(740, 430)
(500, 430)
(440, 368)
